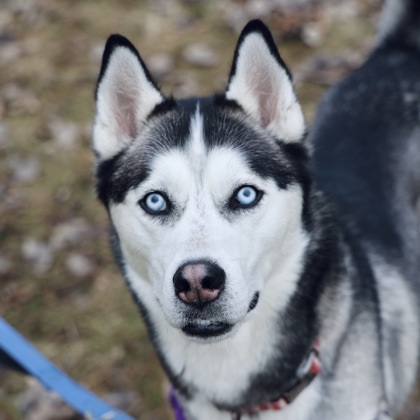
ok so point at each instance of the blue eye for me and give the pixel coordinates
(245, 197)
(155, 203)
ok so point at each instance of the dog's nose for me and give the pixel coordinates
(198, 283)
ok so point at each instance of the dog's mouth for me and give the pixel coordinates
(206, 329)
(202, 328)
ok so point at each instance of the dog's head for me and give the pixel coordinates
(205, 194)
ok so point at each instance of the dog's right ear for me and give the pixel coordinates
(125, 96)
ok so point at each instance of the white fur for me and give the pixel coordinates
(271, 265)
(197, 149)
(400, 315)
(263, 88)
(125, 98)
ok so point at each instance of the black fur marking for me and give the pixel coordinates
(164, 107)
(256, 26)
(105, 189)
(297, 154)
(222, 101)
(114, 179)
(254, 301)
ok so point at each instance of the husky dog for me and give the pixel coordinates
(278, 273)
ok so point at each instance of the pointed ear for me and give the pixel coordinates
(261, 84)
(125, 96)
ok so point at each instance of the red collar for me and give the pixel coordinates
(306, 374)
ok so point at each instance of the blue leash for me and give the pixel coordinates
(33, 362)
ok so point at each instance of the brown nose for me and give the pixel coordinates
(198, 283)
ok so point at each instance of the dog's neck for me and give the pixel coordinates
(308, 370)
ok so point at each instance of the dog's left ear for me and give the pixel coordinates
(261, 84)
(125, 96)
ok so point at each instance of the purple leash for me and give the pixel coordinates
(176, 406)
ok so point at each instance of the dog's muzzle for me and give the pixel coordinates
(198, 284)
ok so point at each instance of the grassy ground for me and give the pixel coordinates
(58, 283)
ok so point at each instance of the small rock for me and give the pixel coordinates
(286, 5)
(96, 52)
(10, 52)
(185, 85)
(160, 64)
(71, 232)
(235, 17)
(312, 35)
(79, 265)
(5, 265)
(64, 133)
(123, 400)
(24, 170)
(63, 194)
(414, 413)
(200, 55)
(2, 109)
(341, 10)
(4, 134)
(39, 404)
(259, 8)
(38, 254)
(19, 100)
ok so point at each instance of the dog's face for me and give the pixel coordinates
(205, 194)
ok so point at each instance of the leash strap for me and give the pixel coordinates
(176, 406)
(33, 362)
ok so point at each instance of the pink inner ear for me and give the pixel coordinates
(125, 105)
(266, 105)
(265, 91)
